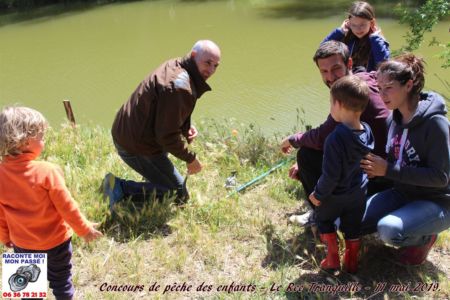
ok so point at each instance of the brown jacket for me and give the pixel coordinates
(157, 116)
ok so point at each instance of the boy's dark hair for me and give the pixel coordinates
(330, 48)
(351, 92)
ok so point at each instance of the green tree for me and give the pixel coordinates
(422, 20)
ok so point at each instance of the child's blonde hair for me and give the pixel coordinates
(17, 125)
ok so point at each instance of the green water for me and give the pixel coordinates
(96, 58)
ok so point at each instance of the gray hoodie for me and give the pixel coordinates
(422, 169)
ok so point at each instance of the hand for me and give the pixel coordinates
(374, 165)
(194, 167)
(286, 146)
(293, 172)
(192, 134)
(314, 200)
(92, 234)
(345, 26)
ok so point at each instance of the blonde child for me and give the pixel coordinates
(360, 33)
(37, 211)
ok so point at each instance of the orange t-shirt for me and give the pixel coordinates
(36, 209)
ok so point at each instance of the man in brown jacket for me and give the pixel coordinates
(156, 120)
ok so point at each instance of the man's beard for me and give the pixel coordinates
(329, 83)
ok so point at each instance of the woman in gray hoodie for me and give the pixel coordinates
(411, 214)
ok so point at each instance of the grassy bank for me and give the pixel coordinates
(235, 247)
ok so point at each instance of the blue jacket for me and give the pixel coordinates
(423, 169)
(343, 151)
(379, 47)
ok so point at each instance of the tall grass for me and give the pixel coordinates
(238, 241)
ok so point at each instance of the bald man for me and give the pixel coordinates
(156, 121)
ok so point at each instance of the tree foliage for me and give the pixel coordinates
(422, 20)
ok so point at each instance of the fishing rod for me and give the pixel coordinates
(263, 175)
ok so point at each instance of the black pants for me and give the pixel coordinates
(349, 208)
(310, 169)
(59, 269)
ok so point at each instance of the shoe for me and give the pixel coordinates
(331, 262)
(306, 219)
(112, 190)
(415, 255)
(351, 255)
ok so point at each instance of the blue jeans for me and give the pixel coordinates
(160, 174)
(402, 222)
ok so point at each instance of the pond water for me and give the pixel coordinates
(96, 57)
